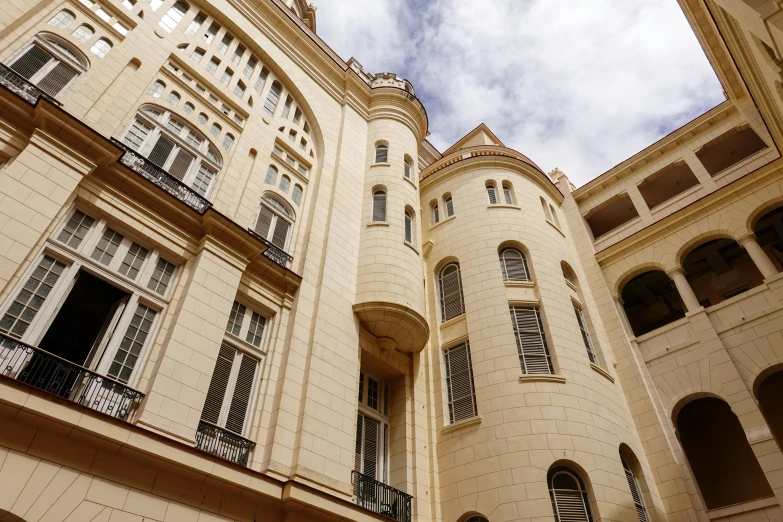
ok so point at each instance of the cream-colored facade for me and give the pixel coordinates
(237, 283)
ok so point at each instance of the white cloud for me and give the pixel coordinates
(575, 85)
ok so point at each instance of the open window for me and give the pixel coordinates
(729, 149)
(275, 221)
(667, 183)
(720, 269)
(650, 301)
(51, 63)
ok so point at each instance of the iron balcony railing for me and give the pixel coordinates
(141, 165)
(275, 253)
(54, 375)
(382, 499)
(15, 83)
(223, 443)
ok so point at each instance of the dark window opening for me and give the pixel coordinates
(720, 269)
(729, 149)
(769, 231)
(651, 301)
(611, 214)
(667, 183)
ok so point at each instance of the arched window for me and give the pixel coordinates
(273, 98)
(492, 194)
(726, 470)
(508, 193)
(435, 213)
(271, 175)
(650, 300)
(582, 322)
(568, 274)
(215, 130)
(296, 195)
(381, 153)
(409, 226)
(452, 303)
(274, 222)
(239, 89)
(513, 265)
(554, 216)
(101, 48)
(157, 89)
(83, 33)
(569, 496)
(50, 63)
(173, 16)
(202, 118)
(188, 108)
(636, 491)
(547, 215)
(408, 168)
(172, 144)
(476, 518)
(449, 205)
(379, 205)
(173, 98)
(228, 142)
(285, 182)
(62, 19)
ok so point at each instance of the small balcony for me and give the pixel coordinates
(161, 178)
(381, 499)
(276, 254)
(223, 443)
(22, 88)
(59, 377)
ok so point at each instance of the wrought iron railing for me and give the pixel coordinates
(52, 374)
(380, 498)
(223, 443)
(275, 253)
(15, 83)
(141, 165)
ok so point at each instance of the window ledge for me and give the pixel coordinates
(465, 423)
(571, 285)
(452, 321)
(520, 284)
(409, 181)
(601, 371)
(556, 228)
(378, 224)
(446, 220)
(501, 205)
(543, 378)
(374, 165)
(409, 245)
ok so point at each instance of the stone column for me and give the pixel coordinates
(684, 288)
(757, 254)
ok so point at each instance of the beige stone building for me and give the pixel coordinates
(238, 283)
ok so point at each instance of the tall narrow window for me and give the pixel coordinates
(554, 216)
(51, 64)
(407, 168)
(372, 431)
(132, 343)
(211, 32)
(250, 66)
(381, 153)
(261, 81)
(513, 265)
(297, 116)
(508, 196)
(296, 195)
(534, 357)
(636, 491)
(239, 52)
(274, 222)
(409, 226)
(569, 496)
(31, 297)
(287, 108)
(228, 142)
(224, 43)
(271, 175)
(173, 16)
(452, 303)
(273, 98)
(459, 382)
(196, 24)
(547, 214)
(62, 19)
(212, 65)
(492, 194)
(285, 182)
(435, 214)
(157, 89)
(580, 319)
(379, 205)
(230, 390)
(225, 78)
(449, 206)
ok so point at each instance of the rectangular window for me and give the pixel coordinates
(235, 318)
(230, 390)
(212, 65)
(196, 24)
(161, 276)
(197, 55)
(580, 318)
(211, 32)
(532, 347)
(226, 77)
(31, 297)
(203, 180)
(224, 43)
(459, 382)
(372, 393)
(255, 331)
(75, 229)
(368, 447)
(239, 52)
(134, 258)
(250, 66)
(287, 107)
(297, 116)
(173, 16)
(132, 342)
(107, 246)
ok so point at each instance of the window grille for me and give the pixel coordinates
(636, 491)
(513, 265)
(580, 318)
(381, 153)
(173, 16)
(569, 497)
(492, 195)
(230, 390)
(459, 382)
(42, 68)
(379, 205)
(449, 206)
(452, 303)
(272, 98)
(534, 357)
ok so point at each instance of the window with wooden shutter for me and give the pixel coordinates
(580, 319)
(452, 303)
(182, 161)
(230, 391)
(274, 222)
(636, 491)
(492, 194)
(379, 205)
(50, 63)
(569, 496)
(534, 357)
(368, 445)
(459, 382)
(372, 428)
(513, 265)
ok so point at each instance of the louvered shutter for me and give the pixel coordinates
(585, 334)
(435, 214)
(459, 383)
(370, 450)
(449, 207)
(452, 303)
(281, 233)
(264, 221)
(513, 264)
(636, 493)
(379, 206)
(31, 62)
(570, 506)
(56, 79)
(161, 150)
(179, 167)
(531, 342)
(493, 198)
(240, 399)
(217, 386)
(359, 438)
(507, 195)
(381, 154)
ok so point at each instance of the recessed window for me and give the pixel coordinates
(212, 65)
(273, 98)
(197, 54)
(211, 32)
(188, 108)
(459, 382)
(452, 303)
(582, 322)
(250, 66)
(196, 24)
(513, 265)
(261, 81)
(239, 52)
(230, 394)
(409, 227)
(51, 63)
(435, 213)
(173, 16)
(239, 89)
(381, 153)
(407, 168)
(285, 183)
(173, 98)
(296, 195)
(379, 206)
(271, 175)
(224, 43)
(225, 78)
(287, 107)
(569, 496)
(508, 194)
(274, 222)
(157, 89)
(83, 33)
(215, 130)
(449, 206)
(532, 347)
(228, 142)
(62, 19)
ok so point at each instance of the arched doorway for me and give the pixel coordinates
(650, 301)
(770, 397)
(769, 232)
(720, 269)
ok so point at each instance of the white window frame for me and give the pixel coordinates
(383, 420)
(277, 215)
(57, 56)
(240, 339)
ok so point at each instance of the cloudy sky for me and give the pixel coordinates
(575, 84)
